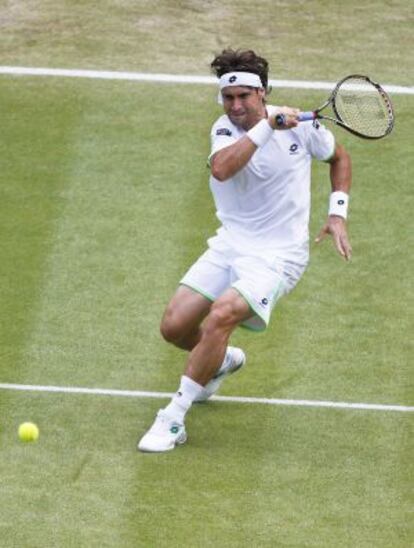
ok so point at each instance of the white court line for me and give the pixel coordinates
(174, 78)
(234, 399)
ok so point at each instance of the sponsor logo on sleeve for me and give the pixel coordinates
(223, 131)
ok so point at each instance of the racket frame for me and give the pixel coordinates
(315, 114)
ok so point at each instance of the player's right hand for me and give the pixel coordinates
(284, 118)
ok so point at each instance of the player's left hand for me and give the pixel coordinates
(336, 227)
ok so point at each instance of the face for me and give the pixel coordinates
(243, 105)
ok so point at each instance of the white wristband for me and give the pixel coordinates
(338, 203)
(260, 133)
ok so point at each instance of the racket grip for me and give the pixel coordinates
(306, 116)
(303, 117)
(280, 120)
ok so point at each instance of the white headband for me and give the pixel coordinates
(238, 79)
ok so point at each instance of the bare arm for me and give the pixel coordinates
(341, 170)
(229, 160)
(341, 179)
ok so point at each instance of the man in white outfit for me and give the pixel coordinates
(260, 181)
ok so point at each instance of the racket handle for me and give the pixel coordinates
(280, 120)
(303, 117)
(306, 116)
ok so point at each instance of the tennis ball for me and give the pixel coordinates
(28, 431)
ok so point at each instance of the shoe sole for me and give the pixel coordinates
(179, 441)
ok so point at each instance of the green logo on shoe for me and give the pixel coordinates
(174, 429)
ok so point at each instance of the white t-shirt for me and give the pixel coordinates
(266, 205)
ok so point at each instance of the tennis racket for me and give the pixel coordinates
(360, 105)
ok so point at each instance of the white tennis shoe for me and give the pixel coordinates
(233, 361)
(163, 435)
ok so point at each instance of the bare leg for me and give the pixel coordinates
(208, 354)
(181, 321)
(181, 326)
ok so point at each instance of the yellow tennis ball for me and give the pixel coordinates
(28, 431)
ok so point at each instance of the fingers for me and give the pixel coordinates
(337, 229)
(342, 244)
(289, 111)
(286, 118)
(322, 234)
(344, 248)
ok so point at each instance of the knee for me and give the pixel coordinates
(171, 327)
(223, 316)
(170, 330)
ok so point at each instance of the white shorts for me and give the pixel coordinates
(260, 279)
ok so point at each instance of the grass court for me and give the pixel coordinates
(104, 205)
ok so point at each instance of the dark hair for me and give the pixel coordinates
(230, 60)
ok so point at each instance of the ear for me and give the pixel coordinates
(261, 93)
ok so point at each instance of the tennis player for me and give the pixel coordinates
(260, 181)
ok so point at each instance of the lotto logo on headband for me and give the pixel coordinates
(240, 79)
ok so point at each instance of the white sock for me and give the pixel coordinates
(183, 399)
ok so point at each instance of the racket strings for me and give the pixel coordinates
(363, 107)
